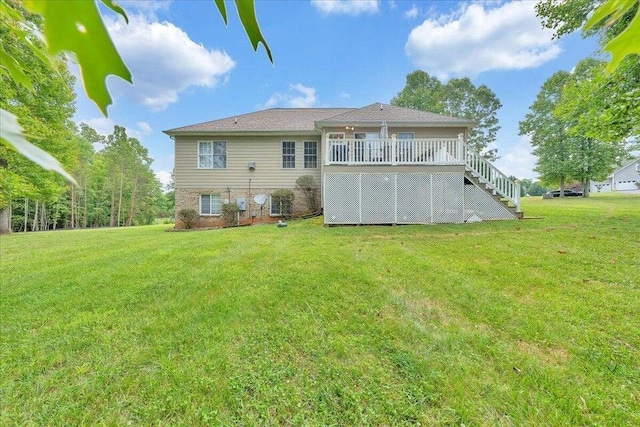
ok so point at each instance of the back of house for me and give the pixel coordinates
(380, 164)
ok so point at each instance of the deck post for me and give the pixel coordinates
(394, 151)
(327, 154)
(460, 156)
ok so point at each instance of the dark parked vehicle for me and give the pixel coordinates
(556, 193)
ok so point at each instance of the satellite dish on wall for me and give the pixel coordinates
(261, 199)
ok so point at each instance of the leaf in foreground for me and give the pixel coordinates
(625, 43)
(12, 136)
(77, 27)
(247, 14)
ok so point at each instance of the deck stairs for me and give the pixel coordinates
(484, 175)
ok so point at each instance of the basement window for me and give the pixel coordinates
(210, 204)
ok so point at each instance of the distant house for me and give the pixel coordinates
(380, 164)
(625, 178)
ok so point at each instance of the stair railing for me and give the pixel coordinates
(490, 176)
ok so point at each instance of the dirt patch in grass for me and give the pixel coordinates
(552, 355)
(419, 308)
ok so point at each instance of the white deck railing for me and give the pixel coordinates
(490, 176)
(431, 151)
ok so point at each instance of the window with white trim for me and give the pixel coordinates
(210, 204)
(310, 154)
(288, 154)
(212, 154)
(279, 207)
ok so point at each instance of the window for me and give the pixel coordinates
(288, 154)
(338, 150)
(210, 204)
(368, 147)
(212, 154)
(310, 154)
(405, 148)
(360, 151)
(279, 207)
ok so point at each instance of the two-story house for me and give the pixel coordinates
(380, 164)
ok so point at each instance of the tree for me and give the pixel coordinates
(170, 195)
(604, 106)
(129, 183)
(565, 17)
(45, 109)
(459, 98)
(82, 170)
(608, 100)
(561, 125)
(596, 149)
(537, 189)
(525, 185)
(616, 22)
(548, 133)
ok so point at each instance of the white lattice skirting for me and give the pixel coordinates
(406, 198)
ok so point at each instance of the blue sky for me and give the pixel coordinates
(189, 68)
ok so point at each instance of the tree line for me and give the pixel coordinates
(115, 185)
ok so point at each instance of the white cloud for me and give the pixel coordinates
(164, 61)
(346, 7)
(299, 96)
(345, 95)
(412, 13)
(144, 127)
(164, 177)
(146, 7)
(518, 159)
(480, 37)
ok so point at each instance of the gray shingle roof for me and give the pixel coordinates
(305, 119)
(378, 112)
(271, 120)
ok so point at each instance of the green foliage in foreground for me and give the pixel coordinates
(76, 28)
(531, 322)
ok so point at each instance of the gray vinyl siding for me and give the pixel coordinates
(265, 151)
(628, 173)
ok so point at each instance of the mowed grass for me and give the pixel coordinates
(532, 322)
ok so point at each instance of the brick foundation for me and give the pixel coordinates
(190, 199)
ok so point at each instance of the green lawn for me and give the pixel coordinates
(499, 323)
